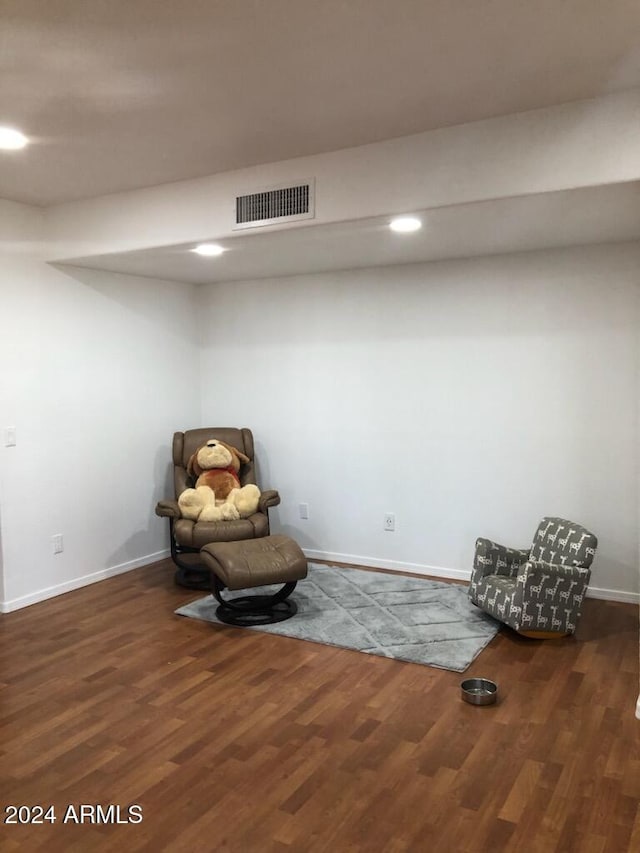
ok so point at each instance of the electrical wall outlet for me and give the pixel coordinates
(304, 510)
(58, 545)
(10, 437)
(389, 521)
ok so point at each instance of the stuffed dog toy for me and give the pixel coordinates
(217, 495)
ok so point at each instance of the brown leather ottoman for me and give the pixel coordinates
(251, 563)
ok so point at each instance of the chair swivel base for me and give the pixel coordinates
(248, 610)
(193, 577)
(190, 572)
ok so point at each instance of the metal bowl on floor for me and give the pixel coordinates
(479, 691)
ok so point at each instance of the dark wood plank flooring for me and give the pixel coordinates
(233, 740)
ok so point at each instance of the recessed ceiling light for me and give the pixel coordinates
(209, 250)
(11, 140)
(405, 224)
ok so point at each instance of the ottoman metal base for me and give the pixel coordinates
(248, 610)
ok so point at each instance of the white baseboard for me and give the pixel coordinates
(391, 565)
(85, 580)
(448, 574)
(310, 553)
(613, 595)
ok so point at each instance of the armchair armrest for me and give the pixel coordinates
(268, 499)
(168, 509)
(534, 571)
(491, 558)
(551, 594)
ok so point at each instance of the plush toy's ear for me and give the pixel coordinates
(244, 459)
(193, 469)
(235, 452)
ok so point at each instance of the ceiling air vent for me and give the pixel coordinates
(280, 204)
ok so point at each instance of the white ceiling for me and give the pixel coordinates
(542, 221)
(120, 94)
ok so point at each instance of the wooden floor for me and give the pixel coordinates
(233, 740)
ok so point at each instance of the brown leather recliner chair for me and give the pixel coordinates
(188, 537)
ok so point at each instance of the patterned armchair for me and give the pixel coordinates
(536, 591)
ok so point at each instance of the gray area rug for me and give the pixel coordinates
(407, 618)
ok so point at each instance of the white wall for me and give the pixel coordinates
(98, 370)
(469, 398)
